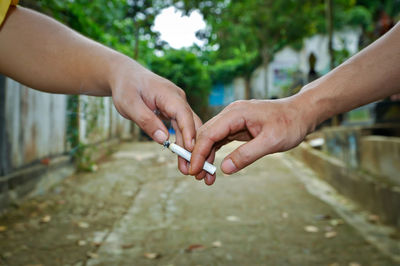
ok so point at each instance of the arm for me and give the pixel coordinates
(46, 55)
(274, 126)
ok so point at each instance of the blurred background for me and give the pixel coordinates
(218, 52)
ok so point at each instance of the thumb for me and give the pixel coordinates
(245, 155)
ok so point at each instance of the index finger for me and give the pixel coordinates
(179, 110)
(215, 130)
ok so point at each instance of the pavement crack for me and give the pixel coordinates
(123, 213)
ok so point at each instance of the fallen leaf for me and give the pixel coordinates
(232, 218)
(45, 161)
(354, 264)
(330, 234)
(217, 244)
(152, 255)
(322, 217)
(336, 222)
(194, 247)
(45, 219)
(96, 244)
(81, 243)
(127, 246)
(285, 215)
(311, 229)
(83, 225)
(372, 218)
(3, 228)
(92, 255)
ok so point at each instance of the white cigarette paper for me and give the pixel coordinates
(209, 168)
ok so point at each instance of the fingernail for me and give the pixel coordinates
(160, 136)
(228, 166)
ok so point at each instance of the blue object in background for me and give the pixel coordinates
(216, 97)
(221, 95)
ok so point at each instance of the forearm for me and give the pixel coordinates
(372, 74)
(46, 55)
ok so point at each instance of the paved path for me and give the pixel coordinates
(137, 209)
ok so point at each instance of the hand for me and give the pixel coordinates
(268, 126)
(144, 97)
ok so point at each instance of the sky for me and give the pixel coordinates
(179, 31)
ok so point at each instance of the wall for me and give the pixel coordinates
(380, 156)
(289, 60)
(35, 126)
(35, 145)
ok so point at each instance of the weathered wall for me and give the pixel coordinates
(371, 193)
(35, 125)
(99, 120)
(35, 130)
(380, 155)
(288, 60)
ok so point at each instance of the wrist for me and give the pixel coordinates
(123, 69)
(310, 108)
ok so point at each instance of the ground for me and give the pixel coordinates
(137, 209)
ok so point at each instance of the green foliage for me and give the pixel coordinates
(249, 33)
(121, 24)
(185, 69)
(226, 70)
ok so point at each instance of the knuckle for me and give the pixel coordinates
(253, 101)
(243, 156)
(182, 93)
(237, 104)
(202, 133)
(144, 121)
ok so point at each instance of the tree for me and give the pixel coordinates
(187, 71)
(255, 28)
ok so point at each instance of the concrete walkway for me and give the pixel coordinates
(137, 209)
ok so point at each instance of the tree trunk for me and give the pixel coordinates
(247, 91)
(329, 29)
(266, 57)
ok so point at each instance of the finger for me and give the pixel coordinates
(210, 160)
(183, 165)
(179, 110)
(209, 179)
(147, 120)
(245, 155)
(214, 131)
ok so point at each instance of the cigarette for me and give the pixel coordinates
(209, 168)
